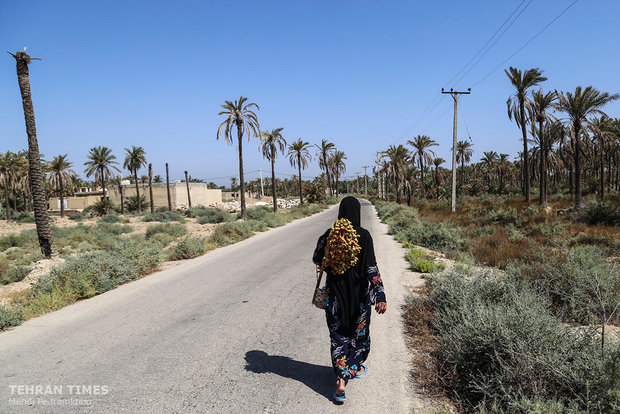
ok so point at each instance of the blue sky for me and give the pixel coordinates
(359, 73)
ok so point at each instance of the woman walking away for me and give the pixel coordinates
(346, 253)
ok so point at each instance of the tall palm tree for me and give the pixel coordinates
(7, 164)
(602, 128)
(398, 157)
(324, 153)
(580, 107)
(59, 175)
(241, 115)
(489, 162)
(517, 103)
(35, 170)
(438, 178)
(135, 158)
(100, 164)
(503, 167)
(299, 156)
(118, 182)
(540, 104)
(464, 152)
(420, 145)
(338, 166)
(271, 142)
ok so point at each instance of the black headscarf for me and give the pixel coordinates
(351, 287)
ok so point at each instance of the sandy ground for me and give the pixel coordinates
(41, 268)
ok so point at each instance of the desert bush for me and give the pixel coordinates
(162, 216)
(276, 219)
(505, 216)
(175, 230)
(422, 262)
(595, 212)
(209, 215)
(500, 249)
(162, 239)
(17, 239)
(161, 209)
(229, 233)
(501, 346)
(332, 200)
(131, 203)
(13, 274)
(110, 218)
(23, 217)
(435, 236)
(256, 213)
(187, 248)
(10, 317)
(82, 215)
(100, 208)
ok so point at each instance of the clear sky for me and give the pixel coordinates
(359, 73)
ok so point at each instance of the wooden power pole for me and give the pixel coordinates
(455, 96)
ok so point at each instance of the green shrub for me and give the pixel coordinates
(276, 219)
(13, 274)
(435, 236)
(229, 233)
(508, 216)
(23, 217)
(79, 216)
(422, 262)
(502, 346)
(132, 203)
(256, 213)
(162, 239)
(595, 212)
(162, 216)
(100, 208)
(332, 200)
(210, 215)
(17, 239)
(175, 230)
(187, 248)
(110, 218)
(10, 317)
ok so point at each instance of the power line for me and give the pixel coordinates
(526, 43)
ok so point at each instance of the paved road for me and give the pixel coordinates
(230, 332)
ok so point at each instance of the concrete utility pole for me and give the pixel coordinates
(262, 189)
(365, 180)
(455, 96)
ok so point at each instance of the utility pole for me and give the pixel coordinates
(455, 96)
(379, 185)
(365, 180)
(262, 189)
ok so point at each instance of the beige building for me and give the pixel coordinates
(199, 193)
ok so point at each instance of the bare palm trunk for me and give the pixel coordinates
(7, 206)
(329, 183)
(576, 129)
(602, 171)
(168, 188)
(189, 197)
(526, 162)
(121, 188)
(543, 167)
(138, 201)
(151, 187)
(44, 231)
(301, 194)
(62, 197)
(241, 179)
(273, 179)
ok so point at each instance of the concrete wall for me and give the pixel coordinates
(73, 203)
(200, 194)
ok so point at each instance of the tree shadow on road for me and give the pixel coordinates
(317, 377)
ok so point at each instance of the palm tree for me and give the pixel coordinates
(60, 175)
(118, 182)
(299, 156)
(35, 170)
(270, 144)
(579, 107)
(541, 103)
(602, 128)
(395, 167)
(489, 162)
(409, 177)
(420, 145)
(101, 163)
(241, 115)
(157, 179)
(7, 164)
(464, 152)
(135, 158)
(324, 153)
(338, 166)
(438, 179)
(503, 166)
(522, 81)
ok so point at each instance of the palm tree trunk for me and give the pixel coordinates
(121, 188)
(301, 194)
(189, 196)
(526, 162)
(329, 183)
(7, 206)
(241, 179)
(168, 188)
(543, 167)
(602, 171)
(44, 231)
(135, 177)
(62, 197)
(273, 180)
(151, 187)
(422, 176)
(576, 128)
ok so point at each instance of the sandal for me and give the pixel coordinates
(363, 373)
(340, 398)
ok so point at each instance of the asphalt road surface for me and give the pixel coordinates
(230, 332)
